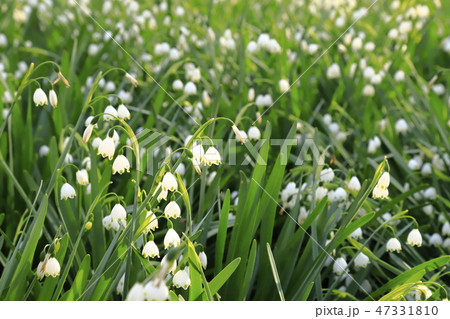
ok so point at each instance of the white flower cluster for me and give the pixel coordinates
(264, 42)
(156, 289)
(200, 157)
(116, 219)
(381, 188)
(40, 98)
(334, 128)
(48, 267)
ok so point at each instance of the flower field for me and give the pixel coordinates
(224, 150)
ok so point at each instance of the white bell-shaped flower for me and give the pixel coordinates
(136, 293)
(446, 229)
(177, 85)
(49, 267)
(357, 233)
(203, 259)
(169, 268)
(82, 177)
(67, 191)
(321, 192)
(334, 71)
(339, 266)
(339, 194)
(169, 182)
(181, 279)
(181, 169)
(118, 213)
(152, 222)
(354, 185)
(171, 239)
(107, 148)
(110, 113)
(120, 284)
(53, 98)
(384, 180)
(414, 238)
(380, 193)
(39, 97)
(44, 150)
(172, 210)
(251, 94)
(156, 291)
(96, 143)
(198, 154)
(302, 215)
(123, 113)
(401, 126)
(435, 240)
(422, 290)
(190, 88)
(162, 193)
(121, 165)
(284, 86)
(430, 193)
(393, 245)
(150, 250)
(107, 222)
(212, 156)
(52, 268)
(254, 133)
(115, 137)
(326, 175)
(361, 260)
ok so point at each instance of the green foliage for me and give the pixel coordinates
(261, 242)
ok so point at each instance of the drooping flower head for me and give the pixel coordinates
(67, 191)
(39, 97)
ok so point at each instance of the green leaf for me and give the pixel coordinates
(250, 268)
(173, 296)
(222, 233)
(408, 275)
(80, 280)
(218, 281)
(17, 285)
(187, 204)
(195, 274)
(275, 272)
(398, 293)
(50, 282)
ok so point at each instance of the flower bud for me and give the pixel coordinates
(87, 133)
(203, 259)
(53, 98)
(88, 226)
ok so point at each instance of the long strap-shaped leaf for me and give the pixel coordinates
(275, 272)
